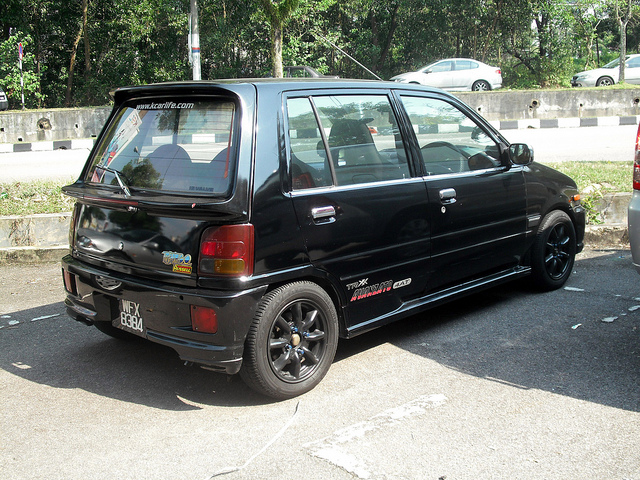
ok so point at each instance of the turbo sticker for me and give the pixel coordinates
(180, 262)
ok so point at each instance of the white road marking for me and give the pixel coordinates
(329, 448)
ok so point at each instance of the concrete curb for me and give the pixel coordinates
(47, 146)
(566, 122)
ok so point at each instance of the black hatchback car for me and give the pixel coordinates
(249, 224)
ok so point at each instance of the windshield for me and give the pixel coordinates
(613, 63)
(170, 146)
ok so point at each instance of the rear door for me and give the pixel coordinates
(632, 70)
(476, 200)
(360, 206)
(465, 72)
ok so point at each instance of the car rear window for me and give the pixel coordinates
(170, 146)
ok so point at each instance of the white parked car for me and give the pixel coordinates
(455, 74)
(609, 74)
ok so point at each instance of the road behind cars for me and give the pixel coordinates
(508, 384)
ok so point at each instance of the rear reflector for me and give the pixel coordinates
(227, 251)
(69, 282)
(204, 319)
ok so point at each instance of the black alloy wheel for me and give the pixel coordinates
(554, 251)
(292, 341)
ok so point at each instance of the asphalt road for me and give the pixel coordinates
(509, 384)
(549, 144)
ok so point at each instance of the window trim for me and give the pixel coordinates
(310, 95)
(500, 141)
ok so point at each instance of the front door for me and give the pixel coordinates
(477, 201)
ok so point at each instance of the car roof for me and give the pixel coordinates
(273, 84)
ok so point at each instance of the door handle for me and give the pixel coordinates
(448, 196)
(323, 214)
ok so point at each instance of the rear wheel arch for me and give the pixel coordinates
(481, 85)
(292, 340)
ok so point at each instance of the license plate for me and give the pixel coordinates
(130, 318)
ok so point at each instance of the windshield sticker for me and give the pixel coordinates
(164, 106)
(181, 263)
(127, 132)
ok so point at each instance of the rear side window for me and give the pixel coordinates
(169, 146)
(344, 140)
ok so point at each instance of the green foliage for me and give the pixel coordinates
(537, 43)
(10, 72)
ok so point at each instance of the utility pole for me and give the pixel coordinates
(194, 40)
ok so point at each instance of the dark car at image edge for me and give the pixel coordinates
(250, 224)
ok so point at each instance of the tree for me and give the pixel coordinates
(624, 10)
(10, 71)
(277, 13)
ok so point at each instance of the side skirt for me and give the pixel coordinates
(438, 298)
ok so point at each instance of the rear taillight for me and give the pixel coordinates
(636, 163)
(227, 251)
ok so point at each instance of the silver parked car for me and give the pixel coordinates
(609, 74)
(4, 101)
(633, 216)
(455, 74)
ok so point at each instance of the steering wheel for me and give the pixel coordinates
(437, 163)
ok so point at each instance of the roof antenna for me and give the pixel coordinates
(345, 53)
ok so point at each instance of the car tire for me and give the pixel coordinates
(291, 342)
(108, 329)
(553, 252)
(604, 82)
(480, 86)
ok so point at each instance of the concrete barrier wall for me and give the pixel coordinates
(552, 104)
(53, 124)
(498, 105)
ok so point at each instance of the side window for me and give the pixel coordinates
(309, 166)
(450, 142)
(465, 65)
(442, 67)
(363, 141)
(634, 62)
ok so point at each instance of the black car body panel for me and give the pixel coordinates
(387, 197)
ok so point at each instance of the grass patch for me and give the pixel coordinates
(605, 177)
(595, 179)
(28, 198)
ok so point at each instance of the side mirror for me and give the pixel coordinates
(520, 154)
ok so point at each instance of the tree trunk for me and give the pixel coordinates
(72, 63)
(87, 57)
(276, 51)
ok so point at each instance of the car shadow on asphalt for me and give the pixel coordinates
(582, 341)
(62, 353)
(560, 341)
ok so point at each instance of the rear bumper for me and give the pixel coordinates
(166, 312)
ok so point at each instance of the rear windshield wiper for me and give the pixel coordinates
(117, 174)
